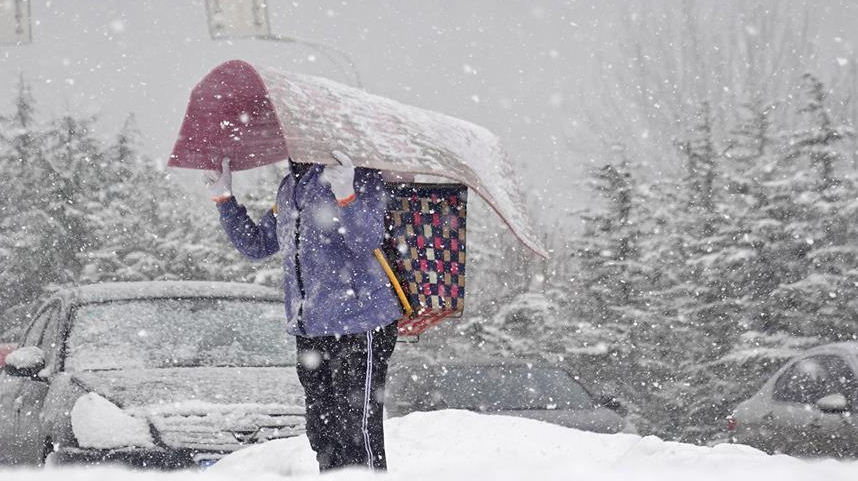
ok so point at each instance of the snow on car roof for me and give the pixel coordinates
(115, 291)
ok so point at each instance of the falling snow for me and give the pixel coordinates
(691, 168)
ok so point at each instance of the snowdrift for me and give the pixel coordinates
(459, 445)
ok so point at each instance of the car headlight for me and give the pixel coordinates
(100, 424)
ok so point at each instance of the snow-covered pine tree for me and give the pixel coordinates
(63, 188)
(820, 216)
(754, 263)
(818, 133)
(151, 228)
(74, 211)
(117, 214)
(45, 223)
(608, 254)
(704, 254)
(20, 146)
(615, 336)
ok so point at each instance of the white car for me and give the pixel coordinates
(807, 408)
(156, 374)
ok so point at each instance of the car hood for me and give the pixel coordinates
(600, 420)
(207, 408)
(221, 385)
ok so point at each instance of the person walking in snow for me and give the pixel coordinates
(327, 221)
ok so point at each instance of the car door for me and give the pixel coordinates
(30, 428)
(797, 426)
(836, 434)
(21, 398)
(792, 418)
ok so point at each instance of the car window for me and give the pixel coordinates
(842, 378)
(490, 388)
(33, 336)
(49, 343)
(157, 333)
(812, 378)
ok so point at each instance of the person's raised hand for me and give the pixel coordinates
(219, 184)
(341, 178)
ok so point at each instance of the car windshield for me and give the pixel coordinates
(158, 333)
(491, 388)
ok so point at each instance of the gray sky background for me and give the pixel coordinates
(517, 68)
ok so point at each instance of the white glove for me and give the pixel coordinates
(341, 178)
(219, 183)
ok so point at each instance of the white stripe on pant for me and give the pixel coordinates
(366, 399)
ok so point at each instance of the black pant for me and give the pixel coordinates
(343, 379)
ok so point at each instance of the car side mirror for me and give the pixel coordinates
(833, 403)
(25, 362)
(611, 402)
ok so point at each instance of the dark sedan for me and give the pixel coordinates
(163, 374)
(536, 391)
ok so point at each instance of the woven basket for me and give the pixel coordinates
(425, 249)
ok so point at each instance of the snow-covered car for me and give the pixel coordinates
(807, 408)
(536, 391)
(160, 374)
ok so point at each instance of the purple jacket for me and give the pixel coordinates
(332, 282)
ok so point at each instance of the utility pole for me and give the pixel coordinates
(14, 22)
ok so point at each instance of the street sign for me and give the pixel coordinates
(14, 22)
(237, 18)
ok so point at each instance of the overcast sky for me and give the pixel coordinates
(513, 67)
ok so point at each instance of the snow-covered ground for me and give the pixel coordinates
(459, 445)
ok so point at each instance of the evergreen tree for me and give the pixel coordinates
(77, 211)
(150, 228)
(45, 222)
(821, 218)
(21, 147)
(705, 300)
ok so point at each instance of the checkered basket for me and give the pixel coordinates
(424, 252)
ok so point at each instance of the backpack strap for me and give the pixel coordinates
(406, 306)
